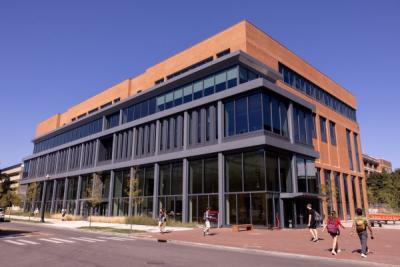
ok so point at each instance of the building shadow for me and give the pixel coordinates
(13, 233)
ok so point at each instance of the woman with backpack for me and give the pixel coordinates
(333, 225)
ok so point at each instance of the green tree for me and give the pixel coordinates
(133, 191)
(31, 194)
(384, 188)
(8, 194)
(95, 196)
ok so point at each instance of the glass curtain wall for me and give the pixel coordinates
(253, 181)
(203, 187)
(170, 193)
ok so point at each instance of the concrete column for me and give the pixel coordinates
(291, 122)
(351, 197)
(96, 155)
(185, 130)
(114, 148)
(220, 126)
(130, 203)
(111, 193)
(64, 204)
(156, 189)
(158, 136)
(221, 189)
(185, 183)
(53, 196)
(82, 155)
(294, 173)
(42, 204)
(343, 197)
(78, 195)
(134, 136)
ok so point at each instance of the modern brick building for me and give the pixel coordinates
(15, 174)
(237, 122)
(372, 165)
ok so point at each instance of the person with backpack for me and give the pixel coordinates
(312, 223)
(162, 220)
(360, 225)
(207, 222)
(332, 226)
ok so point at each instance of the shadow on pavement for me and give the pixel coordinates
(13, 233)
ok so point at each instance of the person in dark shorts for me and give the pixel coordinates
(312, 223)
(332, 226)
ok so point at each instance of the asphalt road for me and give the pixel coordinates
(23, 244)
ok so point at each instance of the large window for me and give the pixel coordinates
(349, 150)
(332, 131)
(203, 176)
(355, 137)
(338, 192)
(69, 136)
(302, 84)
(322, 125)
(257, 171)
(307, 178)
(254, 112)
(303, 126)
(171, 179)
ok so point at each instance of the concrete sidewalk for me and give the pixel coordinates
(384, 248)
(78, 224)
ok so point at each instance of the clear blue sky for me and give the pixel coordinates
(54, 54)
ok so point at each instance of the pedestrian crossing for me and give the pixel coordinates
(64, 240)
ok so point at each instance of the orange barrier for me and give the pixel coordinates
(384, 217)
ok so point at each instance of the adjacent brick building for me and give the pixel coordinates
(237, 122)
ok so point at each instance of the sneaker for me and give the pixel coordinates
(316, 240)
(363, 255)
(339, 250)
(333, 252)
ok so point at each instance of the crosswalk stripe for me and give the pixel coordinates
(50, 241)
(117, 238)
(28, 242)
(90, 238)
(82, 239)
(63, 240)
(15, 242)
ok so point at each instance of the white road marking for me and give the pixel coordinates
(15, 242)
(117, 238)
(50, 241)
(93, 239)
(82, 239)
(63, 240)
(28, 242)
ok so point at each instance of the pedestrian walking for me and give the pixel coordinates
(333, 225)
(360, 226)
(162, 220)
(312, 223)
(63, 213)
(36, 212)
(207, 222)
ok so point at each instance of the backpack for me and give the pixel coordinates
(361, 224)
(318, 217)
(332, 227)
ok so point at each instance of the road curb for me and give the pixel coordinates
(268, 252)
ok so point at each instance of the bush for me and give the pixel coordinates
(141, 220)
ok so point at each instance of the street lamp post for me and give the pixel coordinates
(44, 198)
